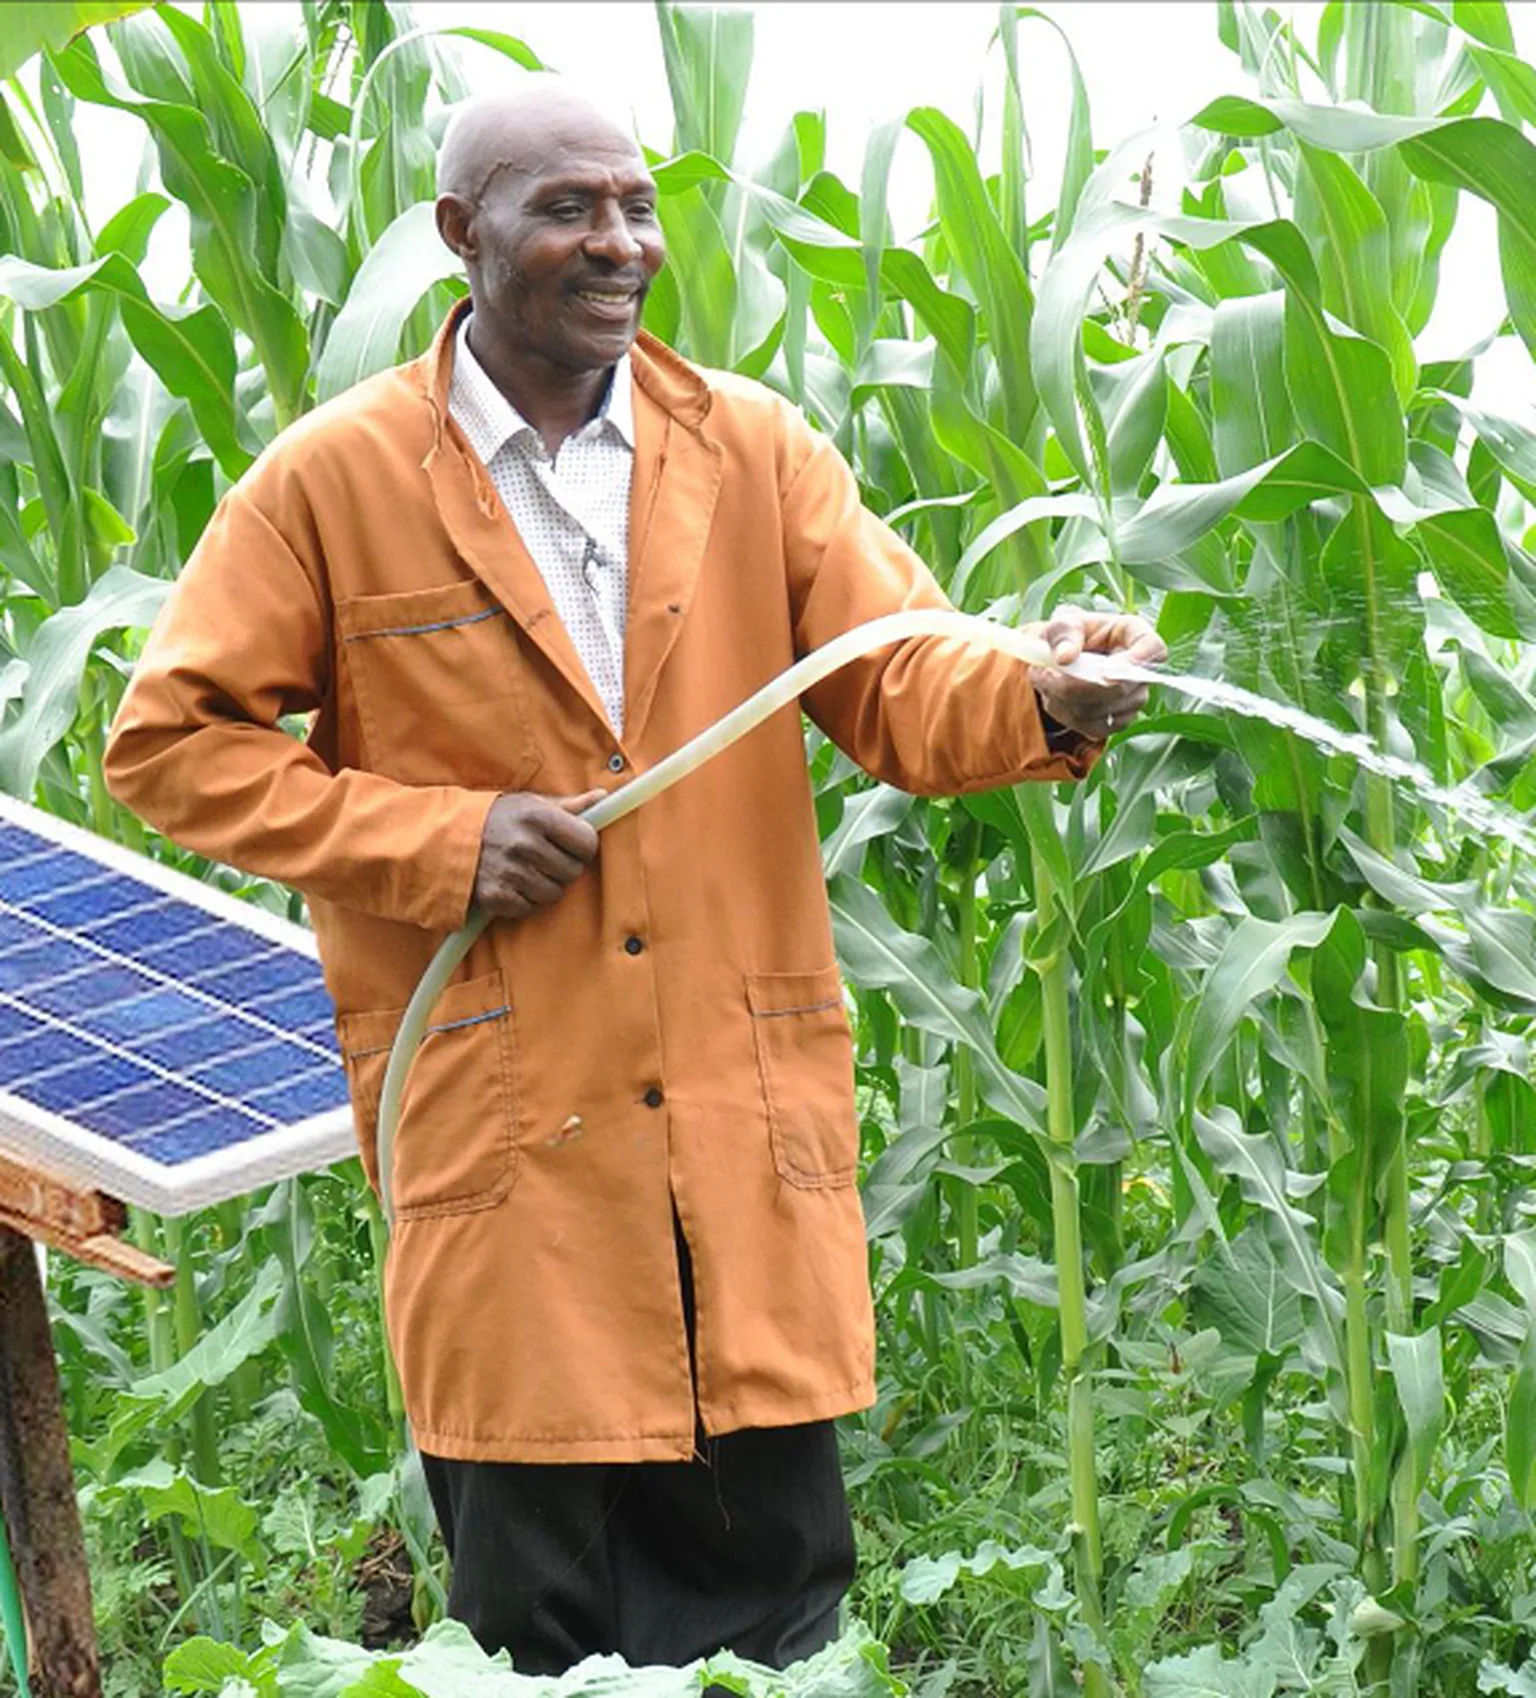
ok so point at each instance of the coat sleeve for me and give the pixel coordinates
(932, 715)
(197, 750)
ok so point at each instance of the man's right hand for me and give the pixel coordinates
(531, 849)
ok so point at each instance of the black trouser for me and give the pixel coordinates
(748, 1548)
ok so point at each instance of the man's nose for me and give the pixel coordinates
(611, 237)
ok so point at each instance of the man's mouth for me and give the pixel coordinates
(608, 296)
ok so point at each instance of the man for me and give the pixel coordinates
(627, 1289)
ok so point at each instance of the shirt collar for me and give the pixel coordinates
(489, 420)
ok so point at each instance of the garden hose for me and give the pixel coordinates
(13, 1627)
(774, 695)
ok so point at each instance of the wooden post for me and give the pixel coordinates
(37, 1485)
(37, 1481)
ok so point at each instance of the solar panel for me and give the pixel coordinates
(159, 1040)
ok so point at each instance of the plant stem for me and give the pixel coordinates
(1071, 1290)
(188, 1329)
(1381, 833)
(968, 1231)
(378, 1239)
(162, 1354)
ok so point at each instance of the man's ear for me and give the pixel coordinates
(455, 224)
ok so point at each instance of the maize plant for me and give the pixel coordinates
(1198, 1105)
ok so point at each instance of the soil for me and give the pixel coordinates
(384, 1574)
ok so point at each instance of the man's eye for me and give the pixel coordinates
(643, 210)
(565, 210)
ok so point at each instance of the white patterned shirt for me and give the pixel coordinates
(572, 510)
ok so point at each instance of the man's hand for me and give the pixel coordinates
(531, 849)
(1092, 709)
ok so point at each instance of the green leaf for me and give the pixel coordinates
(242, 1334)
(1253, 1160)
(1354, 253)
(707, 51)
(1419, 1380)
(705, 276)
(926, 1579)
(877, 954)
(204, 1665)
(1242, 1292)
(1494, 161)
(227, 216)
(1471, 562)
(1206, 1674)
(987, 261)
(58, 655)
(34, 25)
(216, 1514)
(408, 258)
(1520, 1427)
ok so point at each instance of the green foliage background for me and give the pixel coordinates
(1199, 1108)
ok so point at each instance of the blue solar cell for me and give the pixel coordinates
(254, 1069)
(139, 1112)
(24, 969)
(44, 1047)
(215, 1034)
(135, 933)
(220, 947)
(16, 1025)
(240, 985)
(16, 932)
(68, 1091)
(17, 845)
(295, 1008)
(83, 903)
(162, 1010)
(55, 869)
(95, 986)
(199, 1135)
(295, 1099)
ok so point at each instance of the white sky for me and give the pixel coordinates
(1150, 63)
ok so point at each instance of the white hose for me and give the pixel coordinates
(778, 693)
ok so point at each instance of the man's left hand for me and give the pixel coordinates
(1092, 709)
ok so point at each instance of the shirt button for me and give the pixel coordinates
(653, 1098)
(633, 946)
(615, 763)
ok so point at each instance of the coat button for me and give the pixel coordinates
(615, 762)
(653, 1098)
(633, 946)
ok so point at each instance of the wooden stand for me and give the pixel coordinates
(37, 1484)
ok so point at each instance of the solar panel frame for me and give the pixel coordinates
(54, 1143)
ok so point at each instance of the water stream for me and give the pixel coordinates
(1486, 816)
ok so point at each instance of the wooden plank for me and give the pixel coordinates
(37, 1486)
(83, 1224)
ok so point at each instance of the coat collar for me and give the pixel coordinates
(675, 485)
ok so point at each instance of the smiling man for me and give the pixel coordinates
(627, 1289)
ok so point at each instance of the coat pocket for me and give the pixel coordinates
(454, 1148)
(438, 680)
(805, 1059)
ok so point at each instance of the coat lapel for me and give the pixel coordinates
(672, 503)
(486, 540)
(673, 491)
(489, 544)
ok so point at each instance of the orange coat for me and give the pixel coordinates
(573, 1089)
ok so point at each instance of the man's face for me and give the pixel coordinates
(566, 253)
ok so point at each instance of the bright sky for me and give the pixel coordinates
(1145, 64)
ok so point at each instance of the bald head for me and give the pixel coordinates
(523, 132)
